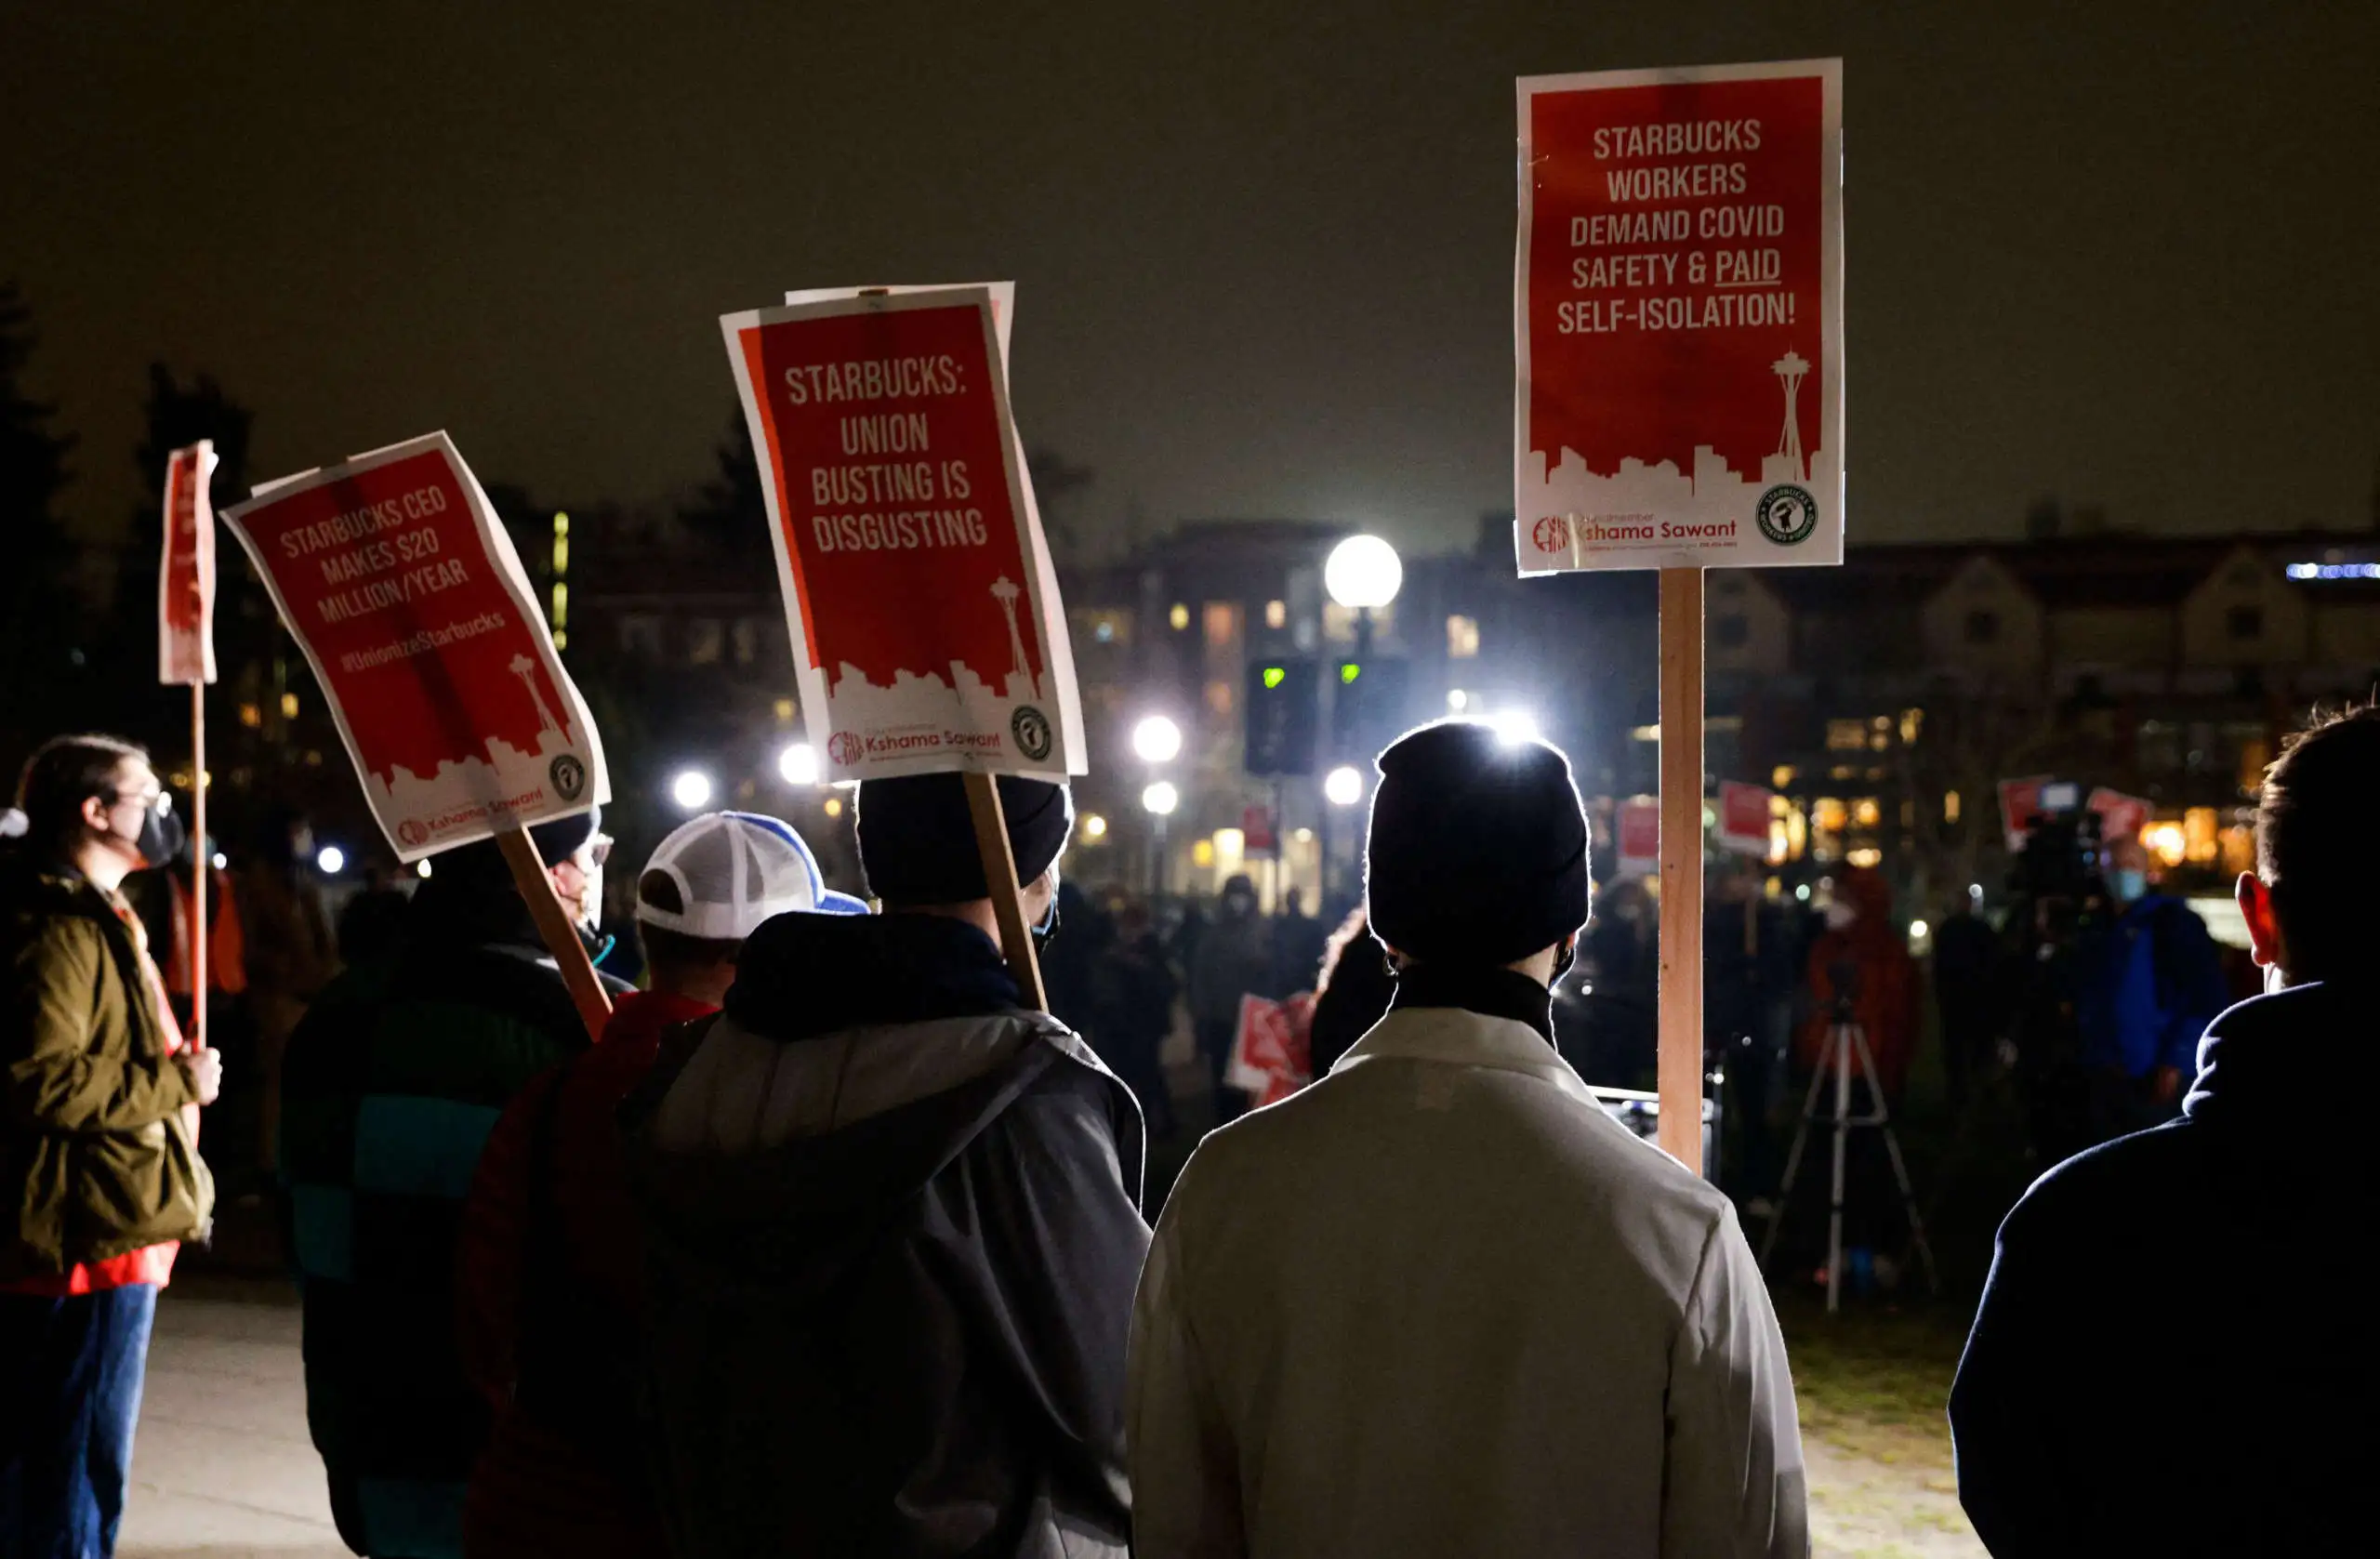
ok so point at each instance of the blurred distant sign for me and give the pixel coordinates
(923, 606)
(1638, 823)
(1256, 829)
(2121, 816)
(1270, 1051)
(2020, 807)
(395, 577)
(1744, 818)
(1679, 319)
(186, 578)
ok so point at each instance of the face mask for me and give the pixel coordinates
(1839, 916)
(2131, 883)
(161, 838)
(591, 898)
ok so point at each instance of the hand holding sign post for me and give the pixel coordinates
(395, 577)
(1678, 391)
(919, 596)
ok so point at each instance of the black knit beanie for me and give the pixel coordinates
(916, 840)
(483, 863)
(1478, 847)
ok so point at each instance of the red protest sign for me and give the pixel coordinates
(924, 611)
(186, 574)
(2121, 816)
(396, 578)
(2020, 806)
(1639, 828)
(1272, 1048)
(1679, 311)
(1744, 818)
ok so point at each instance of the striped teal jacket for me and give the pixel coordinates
(390, 1089)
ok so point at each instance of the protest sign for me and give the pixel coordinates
(1744, 818)
(399, 583)
(2020, 807)
(1677, 398)
(1679, 319)
(186, 655)
(1271, 1048)
(186, 575)
(1637, 825)
(2121, 816)
(924, 613)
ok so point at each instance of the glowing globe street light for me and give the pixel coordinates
(691, 789)
(331, 860)
(1363, 572)
(797, 764)
(1343, 787)
(1156, 740)
(1161, 799)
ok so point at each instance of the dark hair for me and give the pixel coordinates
(2315, 845)
(63, 774)
(675, 950)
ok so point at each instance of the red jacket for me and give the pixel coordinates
(560, 1482)
(1887, 991)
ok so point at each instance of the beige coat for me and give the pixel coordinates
(1442, 1304)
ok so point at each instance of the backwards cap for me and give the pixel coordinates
(733, 870)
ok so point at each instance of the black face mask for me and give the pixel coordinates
(161, 838)
(1046, 931)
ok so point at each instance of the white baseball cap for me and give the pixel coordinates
(733, 870)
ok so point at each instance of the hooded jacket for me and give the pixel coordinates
(96, 1156)
(2170, 1358)
(892, 1225)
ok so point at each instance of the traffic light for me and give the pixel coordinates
(1367, 704)
(1284, 716)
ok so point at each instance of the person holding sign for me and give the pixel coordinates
(1493, 1321)
(895, 1225)
(392, 1082)
(99, 1142)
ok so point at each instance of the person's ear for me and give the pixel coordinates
(95, 814)
(2264, 927)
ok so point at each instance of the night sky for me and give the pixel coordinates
(2121, 253)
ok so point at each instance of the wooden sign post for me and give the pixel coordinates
(1008, 894)
(198, 864)
(1679, 1068)
(587, 992)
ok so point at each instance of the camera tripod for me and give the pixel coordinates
(1846, 1040)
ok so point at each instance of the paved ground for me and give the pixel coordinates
(223, 1469)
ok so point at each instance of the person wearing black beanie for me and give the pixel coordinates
(1477, 1250)
(876, 1163)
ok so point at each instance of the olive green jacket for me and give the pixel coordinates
(96, 1157)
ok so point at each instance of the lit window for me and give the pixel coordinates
(1277, 614)
(1219, 698)
(1912, 722)
(2200, 834)
(288, 706)
(1845, 736)
(746, 639)
(704, 639)
(1202, 854)
(1950, 806)
(1866, 813)
(1830, 815)
(251, 715)
(1781, 776)
(1866, 855)
(1230, 843)
(784, 711)
(1222, 623)
(1462, 636)
(1178, 616)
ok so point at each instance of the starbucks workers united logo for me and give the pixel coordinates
(1787, 514)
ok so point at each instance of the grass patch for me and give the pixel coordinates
(1875, 1383)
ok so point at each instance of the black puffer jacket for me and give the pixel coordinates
(894, 1232)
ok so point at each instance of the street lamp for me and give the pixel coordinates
(1343, 787)
(1363, 572)
(1515, 728)
(1159, 800)
(1156, 740)
(797, 763)
(691, 789)
(331, 860)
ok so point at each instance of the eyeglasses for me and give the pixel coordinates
(598, 849)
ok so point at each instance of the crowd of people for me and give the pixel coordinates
(830, 1244)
